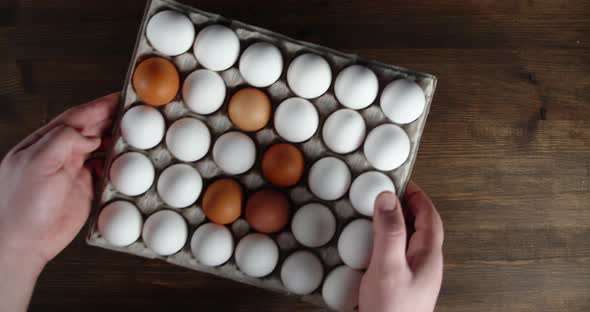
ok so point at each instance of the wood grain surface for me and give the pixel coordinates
(505, 154)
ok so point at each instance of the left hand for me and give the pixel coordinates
(47, 189)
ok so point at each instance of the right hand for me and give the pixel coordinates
(400, 279)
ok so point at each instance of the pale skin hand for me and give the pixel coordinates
(46, 195)
(401, 279)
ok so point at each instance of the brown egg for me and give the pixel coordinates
(249, 109)
(156, 81)
(282, 164)
(222, 201)
(267, 211)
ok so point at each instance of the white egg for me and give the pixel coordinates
(356, 87)
(217, 47)
(365, 189)
(142, 127)
(329, 178)
(132, 173)
(165, 232)
(387, 147)
(302, 273)
(203, 91)
(257, 255)
(313, 225)
(309, 76)
(261, 64)
(234, 152)
(162, 25)
(119, 223)
(296, 120)
(344, 131)
(355, 244)
(403, 101)
(212, 244)
(179, 185)
(341, 288)
(188, 139)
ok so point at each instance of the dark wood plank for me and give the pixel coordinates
(505, 153)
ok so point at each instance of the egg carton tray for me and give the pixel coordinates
(219, 123)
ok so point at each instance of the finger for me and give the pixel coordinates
(98, 129)
(59, 145)
(425, 246)
(91, 119)
(92, 113)
(389, 245)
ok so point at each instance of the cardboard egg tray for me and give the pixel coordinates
(252, 180)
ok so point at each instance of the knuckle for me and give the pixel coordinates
(397, 231)
(392, 234)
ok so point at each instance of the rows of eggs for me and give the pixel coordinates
(157, 82)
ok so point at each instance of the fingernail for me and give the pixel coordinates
(386, 201)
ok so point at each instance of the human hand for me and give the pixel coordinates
(398, 279)
(46, 189)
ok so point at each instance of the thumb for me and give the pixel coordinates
(389, 246)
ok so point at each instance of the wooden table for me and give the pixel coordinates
(505, 154)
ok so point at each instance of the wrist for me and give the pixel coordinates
(19, 273)
(24, 262)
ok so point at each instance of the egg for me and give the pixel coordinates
(217, 47)
(234, 152)
(142, 127)
(355, 244)
(256, 255)
(296, 120)
(162, 25)
(132, 173)
(222, 201)
(283, 164)
(365, 189)
(313, 225)
(119, 223)
(261, 64)
(267, 211)
(212, 244)
(403, 101)
(165, 232)
(179, 185)
(188, 139)
(309, 76)
(249, 109)
(302, 273)
(203, 91)
(356, 87)
(156, 81)
(341, 288)
(329, 178)
(387, 147)
(344, 131)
